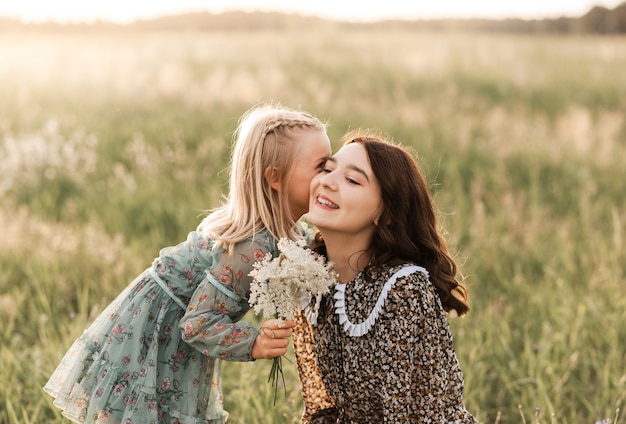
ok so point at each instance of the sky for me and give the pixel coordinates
(124, 11)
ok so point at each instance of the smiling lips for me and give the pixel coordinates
(325, 202)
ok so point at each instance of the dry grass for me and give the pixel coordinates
(112, 145)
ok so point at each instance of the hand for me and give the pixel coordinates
(273, 340)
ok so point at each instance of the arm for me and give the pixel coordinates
(211, 322)
(419, 346)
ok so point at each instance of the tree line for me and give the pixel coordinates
(598, 20)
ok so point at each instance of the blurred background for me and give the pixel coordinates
(116, 124)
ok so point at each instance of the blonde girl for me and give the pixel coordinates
(153, 355)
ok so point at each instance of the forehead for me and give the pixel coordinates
(314, 144)
(354, 153)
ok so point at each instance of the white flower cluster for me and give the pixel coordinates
(281, 284)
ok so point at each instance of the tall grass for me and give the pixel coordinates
(112, 147)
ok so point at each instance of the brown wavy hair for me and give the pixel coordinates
(408, 227)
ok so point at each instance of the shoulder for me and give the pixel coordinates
(263, 237)
(409, 298)
(257, 245)
(410, 283)
(407, 274)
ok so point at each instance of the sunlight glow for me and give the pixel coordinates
(122, 11)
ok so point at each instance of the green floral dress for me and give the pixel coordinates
(153, 355)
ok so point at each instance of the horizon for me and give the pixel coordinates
(118, 12)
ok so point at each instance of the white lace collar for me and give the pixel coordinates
(362, 328)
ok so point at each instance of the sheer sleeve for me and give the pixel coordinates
(211, 322)
(314, 394)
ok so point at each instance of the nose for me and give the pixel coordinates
(328, 181)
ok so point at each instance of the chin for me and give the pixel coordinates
(311, 220)
(314, 220)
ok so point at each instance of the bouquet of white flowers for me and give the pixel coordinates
(281, 285)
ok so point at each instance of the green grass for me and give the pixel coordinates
(112, 147)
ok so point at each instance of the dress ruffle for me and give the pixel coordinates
(98, 381)
(362, 328)
(311, 308)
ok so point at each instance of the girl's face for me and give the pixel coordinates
(312, 154)
(346, 197)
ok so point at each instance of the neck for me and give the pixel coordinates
(348, 255)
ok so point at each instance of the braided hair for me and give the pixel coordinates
(267, 137)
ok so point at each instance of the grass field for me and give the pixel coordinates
(111, 146)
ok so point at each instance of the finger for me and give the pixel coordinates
(274, 353)
(288, 324)
(276, 343)
(281, 343)
(277, 348)
(279, 324)
(284, 333)
(268, 332)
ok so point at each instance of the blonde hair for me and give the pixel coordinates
(267, 137)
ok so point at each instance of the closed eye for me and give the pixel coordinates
(330, 161)
(328, 166)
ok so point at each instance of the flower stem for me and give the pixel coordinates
(276, 373)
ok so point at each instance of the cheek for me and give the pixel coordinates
(315, 181)
(306, 182)
(300, 187)
(376, 209)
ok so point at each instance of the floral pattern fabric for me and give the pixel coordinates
(404, 370)
(153, 355)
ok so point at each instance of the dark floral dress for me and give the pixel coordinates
(381, 351)
(153, 355)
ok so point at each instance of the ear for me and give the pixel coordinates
(272, 176)
(379, 213)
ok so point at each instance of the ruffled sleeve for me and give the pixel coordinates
(211, 322)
